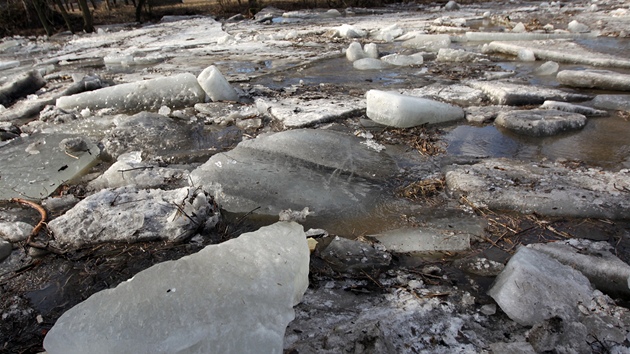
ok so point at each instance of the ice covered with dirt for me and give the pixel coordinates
(542, 188)
(129, 214)
(234, 297)
(297, 113)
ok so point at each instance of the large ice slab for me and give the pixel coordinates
(543, 188)
(235, 297)
(594, 259)
(297, 113)
(173, 91)
(128, 214)
(598, 79)
(511, 94)
(329, 172)
(534, 287)
(402, 111)
(559, 51)
(33, 167)
(524, 36)
(428, 42)
(172, 140)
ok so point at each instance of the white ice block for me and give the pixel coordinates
(402, 111)
(174, 91)
(216, 86)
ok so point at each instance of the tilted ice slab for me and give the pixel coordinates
(559, 51)
(128, 214)
(534, 287)
(174, 91)
(573, 108)
(594, 259)
(546, 189)
(235, 297)
(329, 172)
(34, 167)
(511, 94)
(297, 113)
(403, 111)
(20, 86)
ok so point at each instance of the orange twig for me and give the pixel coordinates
(41, 211)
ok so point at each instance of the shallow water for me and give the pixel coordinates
(603, 142)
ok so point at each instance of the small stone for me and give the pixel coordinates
(5, 250)
(451, 6)
(489, 309)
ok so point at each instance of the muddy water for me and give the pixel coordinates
(603, 142)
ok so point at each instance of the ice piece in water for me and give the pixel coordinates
(402, 111)
(174, 91)
(4, 65)
(554, 289)
(355, 52)
(428, 42)
(348, 31)
(577, 27)
(423, 240)
(371, 50)
(573, 108)
(599, 79)
(370, 64)
(614, 102)
(36, 175)
(526, 36)
(540, 122)
(21, 86)
(507, 93)
(234, 297)
(404, 60)
(526, 55)
(456, 55)
(118, 59)
(451, 6)
(547, 68)
(519, 28)
(216, 86)
(388, 34)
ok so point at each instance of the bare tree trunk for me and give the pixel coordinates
(39, 8)
(26, 11)
(93, 4)
(147, 10)
(69, 5)
(64, 14)
(139, 6)
(88, 23)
